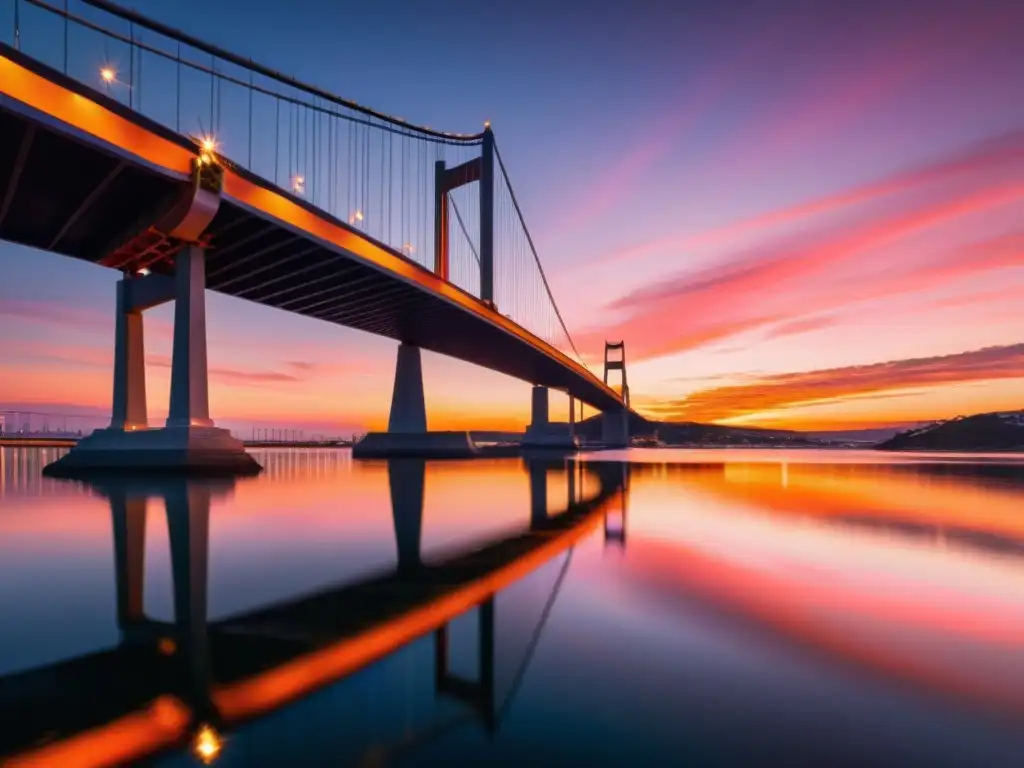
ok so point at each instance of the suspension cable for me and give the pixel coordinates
(462, 226)
(533, 249)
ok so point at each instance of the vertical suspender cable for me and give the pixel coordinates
(250, 118)
(177, 115)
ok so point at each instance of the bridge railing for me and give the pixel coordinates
(372, 171)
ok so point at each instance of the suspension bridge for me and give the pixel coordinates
(187, 168)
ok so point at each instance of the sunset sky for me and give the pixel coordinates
(794, 217)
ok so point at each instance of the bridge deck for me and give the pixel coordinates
(82, 173)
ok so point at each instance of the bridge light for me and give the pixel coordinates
(487, 123)
(207, 744)
(297, 184)
(409, 248)
(108, 75)
(143, 272)
(357, 216)
(209, 144)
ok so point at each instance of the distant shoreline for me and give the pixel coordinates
(38, 442)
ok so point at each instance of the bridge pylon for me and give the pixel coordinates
(479, 169)
(615, 424)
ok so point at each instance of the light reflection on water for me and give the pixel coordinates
(839, 608)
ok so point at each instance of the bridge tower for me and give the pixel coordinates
(407, 433)
(615, 424)
(479, 169)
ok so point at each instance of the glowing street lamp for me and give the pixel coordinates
(108, 75)
(409, 248)
(298, 184)
(355, 217)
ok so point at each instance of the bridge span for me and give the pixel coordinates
(328, 218)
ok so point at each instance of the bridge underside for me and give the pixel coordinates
(65, 191)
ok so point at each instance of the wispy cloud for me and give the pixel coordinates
(64, 316)
(233, 375)
(800, 325)
(970, 165)
(786, 281)
(658, 137)
(55, 313)
(889, 379)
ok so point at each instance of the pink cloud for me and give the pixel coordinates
(783, 281)
(991, 157)
(656, 138)
(63, 315)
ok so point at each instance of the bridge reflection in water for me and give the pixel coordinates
(190, 679)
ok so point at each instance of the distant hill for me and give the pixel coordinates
(870, 436)
(693, 433)
(1002, 431)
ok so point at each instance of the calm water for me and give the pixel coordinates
(709, 608)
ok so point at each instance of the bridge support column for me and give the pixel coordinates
(190, 402)
(542, 433)
(189, 442)
(129, 402)
(407, 435)
(615, 428)
(408, 404)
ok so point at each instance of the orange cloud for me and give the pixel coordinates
(775, 392)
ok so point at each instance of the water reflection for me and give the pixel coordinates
(166, 680)
(462, 612)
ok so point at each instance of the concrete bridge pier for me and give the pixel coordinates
(129, 406)
(615, 428)
(189, 442)
(407, 435)
(544, 434)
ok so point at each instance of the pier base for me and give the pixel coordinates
(419, 445)
(615, 429)
(186, 450)
(543, 434)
